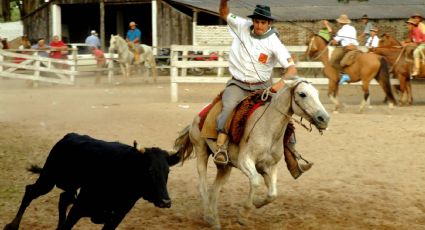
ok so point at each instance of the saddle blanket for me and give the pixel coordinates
(235, 125)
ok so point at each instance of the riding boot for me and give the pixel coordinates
(220, 157)
(416, 66)
(291, 159)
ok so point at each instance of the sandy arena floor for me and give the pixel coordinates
(369, 170)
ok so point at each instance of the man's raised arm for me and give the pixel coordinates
(224, 9)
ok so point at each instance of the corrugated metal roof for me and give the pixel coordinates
(310, 10)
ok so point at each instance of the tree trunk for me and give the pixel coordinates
(5, 5)
(102, 25)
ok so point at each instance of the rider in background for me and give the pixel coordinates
(419, 19)
(133, 38)
(417, 38)
(373, 40)
(346, 38)
(365, 35)
(255, 50)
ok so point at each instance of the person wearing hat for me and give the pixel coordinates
(346, 38)
(255, 50)
(417, 38)
(419, 19)
(373, 40)
(133, 38)
(133, 34)
(93, 40)
(364, 36)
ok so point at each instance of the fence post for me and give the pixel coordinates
(110, 69)
(36, 72)
(174, 72)
(220, 70)
(1, 60)
(73, 64)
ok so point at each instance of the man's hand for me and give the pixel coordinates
(224, 9)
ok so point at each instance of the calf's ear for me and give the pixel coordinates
(173, 159)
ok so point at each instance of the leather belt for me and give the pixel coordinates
(248, 83)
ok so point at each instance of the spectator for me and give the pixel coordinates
(93, 40)
(59, 48)
(100, 61)
(373, 40)
(364, 36)
(41, 45)
(326, 31)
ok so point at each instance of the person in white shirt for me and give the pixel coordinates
(346, 38)
(373, 40)
(255, 50)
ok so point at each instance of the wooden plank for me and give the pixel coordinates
(15, 66)
(34, 78)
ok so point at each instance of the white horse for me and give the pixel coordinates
(260, 148)
(126, 57)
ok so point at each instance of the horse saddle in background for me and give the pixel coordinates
(349, 57)
(235, 124)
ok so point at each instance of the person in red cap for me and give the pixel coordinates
(255, 50)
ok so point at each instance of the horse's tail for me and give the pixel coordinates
(383, 77)
(182, 144)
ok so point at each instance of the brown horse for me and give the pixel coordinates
(367, 66)
(401, 63)
(401, 59)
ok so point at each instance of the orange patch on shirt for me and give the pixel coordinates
(263, 58)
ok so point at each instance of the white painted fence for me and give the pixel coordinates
(180, 64)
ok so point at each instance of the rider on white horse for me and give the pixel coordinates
(256, 49)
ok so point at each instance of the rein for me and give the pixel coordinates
(264, 97)
(321, 52)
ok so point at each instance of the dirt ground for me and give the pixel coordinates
(369, 170)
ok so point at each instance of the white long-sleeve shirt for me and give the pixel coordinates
(347, 35)
(372, 42)
(262, 53)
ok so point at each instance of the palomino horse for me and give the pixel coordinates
(126, 57)
(259, 150)
(401, 60)
(366, 67)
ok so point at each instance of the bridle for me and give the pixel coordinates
(310, 45)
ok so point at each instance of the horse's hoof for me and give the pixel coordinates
(210, 220)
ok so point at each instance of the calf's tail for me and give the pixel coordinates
(35, 169)
(182, 144)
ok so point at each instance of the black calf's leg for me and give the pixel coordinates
(73, 216)
(31, 192)
(66, 198)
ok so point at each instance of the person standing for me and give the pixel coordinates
(254, 52)
(59, 50)
(100, 61)
(93, 39)
(41, 45)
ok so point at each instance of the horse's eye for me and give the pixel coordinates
(302, 95)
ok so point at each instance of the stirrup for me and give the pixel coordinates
(219, 161)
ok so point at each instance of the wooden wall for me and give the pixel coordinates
(174, 27)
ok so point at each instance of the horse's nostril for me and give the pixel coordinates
(320, 118)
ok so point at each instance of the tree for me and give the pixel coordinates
(5, 8)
